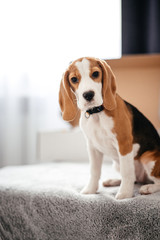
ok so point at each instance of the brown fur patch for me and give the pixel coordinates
(67, 100)
(156, 170)
(109, 86)
(94, 66)
(122, 126)
(73, 72)
(75, 121)
(147, 157)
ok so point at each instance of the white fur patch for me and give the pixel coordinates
(95, 169)
(128, 176)
(98, 130)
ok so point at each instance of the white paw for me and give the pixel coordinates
(147, 189)
(111, 182)
(123, 195)
(89, 190)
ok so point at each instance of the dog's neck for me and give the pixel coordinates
(93, 111)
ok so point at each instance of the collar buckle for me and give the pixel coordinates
(87, 114)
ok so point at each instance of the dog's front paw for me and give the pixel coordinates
(123, 195)
(89, 189)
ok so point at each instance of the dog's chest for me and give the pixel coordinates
(98, 130)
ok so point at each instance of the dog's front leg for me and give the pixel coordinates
(127, 172)
(95, 158)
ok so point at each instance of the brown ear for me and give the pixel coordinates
(109, 86)
(67, 100)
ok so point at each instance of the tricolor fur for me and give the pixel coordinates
(119, 131)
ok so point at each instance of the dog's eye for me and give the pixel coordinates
(74, 80)
(95, 74)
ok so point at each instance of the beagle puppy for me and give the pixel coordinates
(112, 127)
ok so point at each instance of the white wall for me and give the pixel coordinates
(61, 146)
(68, 145)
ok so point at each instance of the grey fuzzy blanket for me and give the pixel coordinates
(42, 202)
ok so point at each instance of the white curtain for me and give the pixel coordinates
(37, 41)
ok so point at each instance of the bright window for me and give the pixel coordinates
(39, 38)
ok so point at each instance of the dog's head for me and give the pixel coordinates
(87, 83)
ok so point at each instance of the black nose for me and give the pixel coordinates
(88, 95)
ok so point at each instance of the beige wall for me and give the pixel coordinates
(138, 82)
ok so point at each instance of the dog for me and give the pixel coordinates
(111, 126)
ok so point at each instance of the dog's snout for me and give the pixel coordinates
(88, 95)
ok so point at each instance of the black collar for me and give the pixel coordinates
(93, 110)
